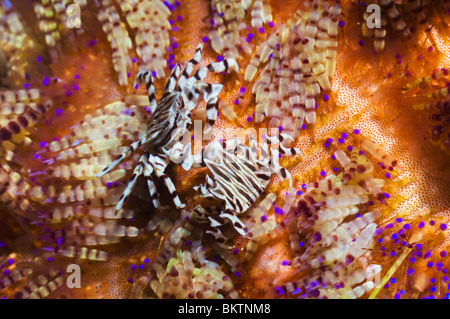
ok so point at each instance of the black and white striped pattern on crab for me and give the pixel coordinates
(239, 178)
(171, 118)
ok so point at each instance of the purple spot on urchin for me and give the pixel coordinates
(317, 237)
(270, 24)
(261, 30)
(219, 58)
(349, 259)
(279, 291)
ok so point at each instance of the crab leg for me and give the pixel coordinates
(190, 66)
(146, 76)
(136, 173)
(171, 83)
(160, 163)
(148, 170)
(126, 153)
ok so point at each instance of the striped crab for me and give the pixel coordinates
(239, 179)
(171, 118)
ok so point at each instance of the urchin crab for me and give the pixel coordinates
(171, 118)
(239, 179)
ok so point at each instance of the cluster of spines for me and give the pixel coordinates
(14, 41)
(430, 96)
(36, 281)
(228, 24)
(396, 13)
(118, 39)
(19, 110)
(332, 228)
(13, 35)
(419, 266)
(52, 20)
(301, 59)
(180, 269)
(81, 216)
(150, 22)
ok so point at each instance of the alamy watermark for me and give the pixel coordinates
(74, 279)
(373, 20)
(73, 12)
